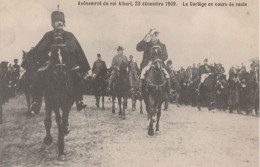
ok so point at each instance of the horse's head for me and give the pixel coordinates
(28, 60)
(157, 64)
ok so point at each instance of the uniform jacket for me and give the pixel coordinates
(133, 68)
(99, 67)
(147, 56)
(72, 53)
(117, 61)
(204, 69)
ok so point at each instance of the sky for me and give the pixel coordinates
(227, 35)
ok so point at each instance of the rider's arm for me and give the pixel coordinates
(141, 46)
(114, 65)
(164, 53)
(94, 67)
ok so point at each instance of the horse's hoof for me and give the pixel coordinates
(66, 130)
(141, 112)
(62, 157)
(47, 140)
(113, 111)
(150, 132)
(157, 129)
(120, 113)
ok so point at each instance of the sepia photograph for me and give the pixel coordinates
(129, 83)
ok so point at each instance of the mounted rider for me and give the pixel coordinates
(149, 45)
(116, 63)
(99, 68)
(204, 71)
(133, 73)
(16, 69)
(63, 47)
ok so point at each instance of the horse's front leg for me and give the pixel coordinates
(113, 104)
(141, 106)
(158, 116)
(103, 101)
(47, 123)
(28, 100)
(119, 104)
(151, 116)
(97, 100)
(60, 142)
(65, 120)
(124, 103)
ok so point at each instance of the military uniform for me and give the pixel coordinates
(133, 74)
(149, 48)
(99, 68)
(204, 69)
(65, 49)
(116, 63)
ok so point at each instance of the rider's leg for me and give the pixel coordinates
(111, 79)
(79, 89)
(168, 80)
(37, 92)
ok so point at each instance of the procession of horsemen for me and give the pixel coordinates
(57, 71)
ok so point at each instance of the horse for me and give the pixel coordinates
(100, 86)
(135, 95)
(119, 89)
(174, 97)
(207, 90)
(253, 83)
(29, 64)
(221, 93)
(59, 94)
(185, 80)
(154, 94)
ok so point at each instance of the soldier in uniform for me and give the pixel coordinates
(4, 81)
(16, 68)
(63, 43)
(99, 67)
(15, 76)
(133, 73)
(204, 71)
(150, 42)
(116, 63)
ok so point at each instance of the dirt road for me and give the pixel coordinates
(187, 138)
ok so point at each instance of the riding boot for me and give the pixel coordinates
(141, 85)
(171, 91)
(80, 104)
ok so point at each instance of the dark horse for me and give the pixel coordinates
(120, 88)
(207, 90)
(134, 93)
(154, 95)
(58, 95)
(29, 65)
(100, 86)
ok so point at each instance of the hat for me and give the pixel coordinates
(153, 31)
(57, 16)
(169, 62)
(15, 60)
(119, 48)
(98, 55)
(131, 56)
(205, 59)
